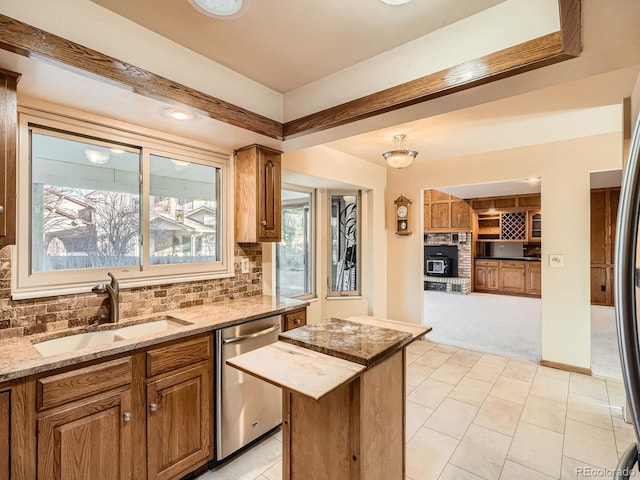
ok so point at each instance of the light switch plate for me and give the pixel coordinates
(244, 265)
(556, 260)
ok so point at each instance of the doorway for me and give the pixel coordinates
(497, 308)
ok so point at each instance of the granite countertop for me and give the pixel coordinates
(352, 341)
(521, 259)
(19, 358)
(334, 357)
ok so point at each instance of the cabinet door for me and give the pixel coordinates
(614, 200)
(5, 440)
(440, 216)
(460, 216)
(534, 279)
(534, 226)
(8, 129)
(480, 282)
(269, 216)
(599, 285)
(91, 440)
(179, 435)
(599, 227)
(513, 278)
(493, 278)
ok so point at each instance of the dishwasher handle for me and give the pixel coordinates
(240, 338)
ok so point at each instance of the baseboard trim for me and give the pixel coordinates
(566, 366)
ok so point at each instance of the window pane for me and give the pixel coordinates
(294, 252)
(184, 212)
(85, 205)
(344, 242)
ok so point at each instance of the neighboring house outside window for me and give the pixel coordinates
(96, 199)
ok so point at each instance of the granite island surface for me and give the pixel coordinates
(343, 383)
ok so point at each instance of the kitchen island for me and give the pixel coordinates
(343, 385)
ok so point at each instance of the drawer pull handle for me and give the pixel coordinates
(127, 416)
(296, 321)
(1, 209)
(263, 223)
(153, 407)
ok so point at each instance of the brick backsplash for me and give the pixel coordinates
(26, 317)
(464, 248)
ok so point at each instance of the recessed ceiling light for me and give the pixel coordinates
(395, 2)
(179, 113)
(224, 9)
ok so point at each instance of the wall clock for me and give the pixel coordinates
(402, 209)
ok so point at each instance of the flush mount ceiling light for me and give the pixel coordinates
(179, 113)
(395, 2)
(96, 156)
(179, 163)
(223, 9)
(399, 156)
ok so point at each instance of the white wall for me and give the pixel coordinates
(564, 169)
(321, 166)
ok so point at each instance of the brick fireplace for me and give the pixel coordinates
(462, 282)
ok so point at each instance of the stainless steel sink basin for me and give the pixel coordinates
(79, 341)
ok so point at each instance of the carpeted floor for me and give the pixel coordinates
(510, 326)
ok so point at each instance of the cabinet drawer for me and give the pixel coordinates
(512, 264)
(534, 266)
(177, 355)
(62, 388)
(487, 263)
(295, 319)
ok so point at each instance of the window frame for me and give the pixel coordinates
(312, 239)
(334, 294)
(40, 284)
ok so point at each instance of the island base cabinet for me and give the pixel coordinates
(348, 428)
(91, 440)
(179, 436)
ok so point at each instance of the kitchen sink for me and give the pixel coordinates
(79, 341)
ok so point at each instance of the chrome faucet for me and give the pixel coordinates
(113, 290)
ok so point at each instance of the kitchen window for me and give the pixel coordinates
(96, 200)
(295, 253)
(344, 244)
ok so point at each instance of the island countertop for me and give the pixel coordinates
(340, 351)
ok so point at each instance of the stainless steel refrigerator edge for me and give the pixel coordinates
(626, 285)
(246, 407)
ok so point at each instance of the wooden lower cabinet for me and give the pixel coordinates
(602, 285)
(512, 277)
(487, 275)
(117, 419)
(5, 433)
(295, 319)
(533, 284)
(508, 277)
(90, 439)
(179, 436)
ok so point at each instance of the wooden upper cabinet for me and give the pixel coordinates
(257, 195)
(446, 213)
(514, 202)
(8, 148)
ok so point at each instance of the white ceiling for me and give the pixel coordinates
(285, 44)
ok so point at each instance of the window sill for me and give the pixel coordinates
(345, 297)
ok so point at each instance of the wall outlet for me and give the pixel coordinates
(244, 265)
(556, 260)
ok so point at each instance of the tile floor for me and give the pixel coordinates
(473, 416)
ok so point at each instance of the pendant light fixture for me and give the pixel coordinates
(399, 156)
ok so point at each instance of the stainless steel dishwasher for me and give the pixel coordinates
(246, 407)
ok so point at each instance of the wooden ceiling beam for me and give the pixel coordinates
(23, 39)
